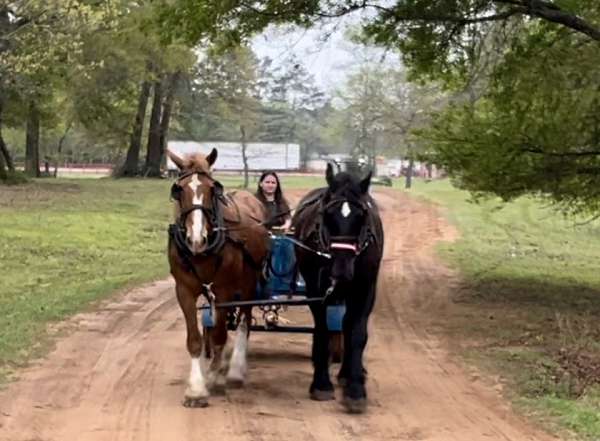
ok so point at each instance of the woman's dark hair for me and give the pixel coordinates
(282, 205)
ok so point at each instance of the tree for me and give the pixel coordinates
(230, 84)
(41, 46)
(496, 136)
(526, 136)
(290, 94)
(380, 111)
(131, 165)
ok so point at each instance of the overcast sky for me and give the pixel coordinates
(324, 51)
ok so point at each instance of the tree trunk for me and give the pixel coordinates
(32, 142)
(60, 146)
(166, 111)
(3, 171)
(153, 154)
(409, 172)
(131, 166)
(4, 153)
(244, 157)
(6, 161)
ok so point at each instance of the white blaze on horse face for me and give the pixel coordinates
(346, 209)
(198, 233)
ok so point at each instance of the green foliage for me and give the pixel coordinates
(82, 64)
(515, 134)
(15, 178)
(229, 22)
(380, 109)
(530, 136)
(232, 88)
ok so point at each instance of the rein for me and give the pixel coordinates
(214, 215)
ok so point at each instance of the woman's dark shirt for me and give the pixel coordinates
(277, 214)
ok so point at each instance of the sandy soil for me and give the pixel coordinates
(120, 371)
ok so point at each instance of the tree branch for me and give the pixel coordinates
(562, 154)
(553, 13)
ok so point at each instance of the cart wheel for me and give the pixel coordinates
(336, 346)
(206, 336)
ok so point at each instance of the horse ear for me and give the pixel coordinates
(329, 174)
(364, 184)
(178, 160)
(212, 157)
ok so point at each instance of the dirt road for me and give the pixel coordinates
(119, 373)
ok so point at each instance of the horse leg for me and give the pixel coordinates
(355, 334)
(238, 365)
(321, 388)
(196, 394)
(342, 376)
(216, 374)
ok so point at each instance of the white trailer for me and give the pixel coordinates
(261, 155)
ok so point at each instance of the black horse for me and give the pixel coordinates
(341, 222)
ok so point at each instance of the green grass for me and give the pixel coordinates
(64, 243)
(581, 417)
(553, 261)
(530, 302)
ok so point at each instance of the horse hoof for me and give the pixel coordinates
(235, 383)
(322, 395)
(192, 402)
(355, 405)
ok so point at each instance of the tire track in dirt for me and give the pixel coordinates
(120, 373)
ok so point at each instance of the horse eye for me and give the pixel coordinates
(176, 192)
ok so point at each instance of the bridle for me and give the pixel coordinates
(354, 244)
(213, 214)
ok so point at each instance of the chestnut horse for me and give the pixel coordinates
(216, 249)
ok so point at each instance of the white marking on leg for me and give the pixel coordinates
(197, 383)
(238, 365)
(346, 209)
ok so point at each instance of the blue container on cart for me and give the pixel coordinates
(207, 318)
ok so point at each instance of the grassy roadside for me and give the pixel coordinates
(529, 307)
(65, 243)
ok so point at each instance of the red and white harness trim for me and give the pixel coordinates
(343, 246)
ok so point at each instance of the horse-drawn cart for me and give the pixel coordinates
(220, 239)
